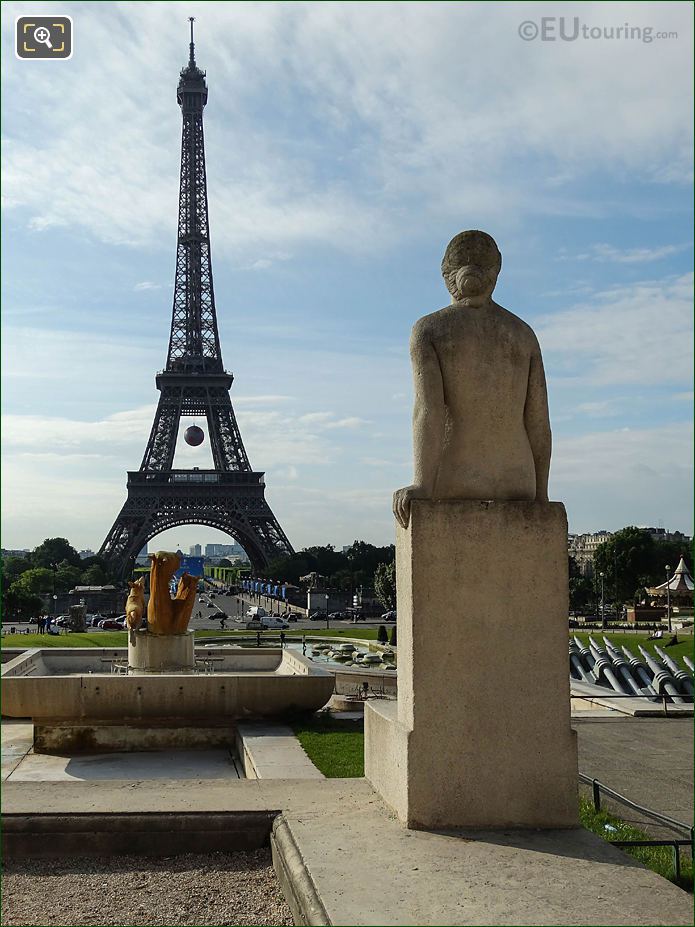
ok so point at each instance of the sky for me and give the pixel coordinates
(346, 144)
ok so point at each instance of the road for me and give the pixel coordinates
(236, 609)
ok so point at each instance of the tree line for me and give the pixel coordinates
(631, 561)
(53, 566)
(361, 564)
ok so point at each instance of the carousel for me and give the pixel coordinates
(676, 591)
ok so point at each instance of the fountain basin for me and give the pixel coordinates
(74, 696)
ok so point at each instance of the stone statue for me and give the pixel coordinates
(164, 614)
(480, 421)
(76, 618)
(135, 604)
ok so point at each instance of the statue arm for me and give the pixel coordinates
(428, 424)
(537, 423)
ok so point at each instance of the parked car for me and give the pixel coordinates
(110, 624)
(255, 625)
(389, 616)
(292, 617)
(317, 616)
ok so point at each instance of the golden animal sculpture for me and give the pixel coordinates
(164, 614)
(135, 605)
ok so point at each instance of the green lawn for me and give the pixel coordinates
(658, 859)
(631, 640)
(335, 747)
(120, 638)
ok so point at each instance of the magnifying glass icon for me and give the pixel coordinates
(43, 36)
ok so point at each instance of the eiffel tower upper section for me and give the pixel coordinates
(194, 343)
(194, 381)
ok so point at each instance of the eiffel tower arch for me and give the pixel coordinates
(230, 497)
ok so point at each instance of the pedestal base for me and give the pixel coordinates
(480, 736)
(160, 653)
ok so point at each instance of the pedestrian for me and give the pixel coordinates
(303, 645)
(41, 624)
(282, 639)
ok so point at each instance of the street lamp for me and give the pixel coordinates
(603, 610)
(54, 567)
(328, 623)
(668, 597)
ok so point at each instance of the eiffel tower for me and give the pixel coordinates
(194, 382)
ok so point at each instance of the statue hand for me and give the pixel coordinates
(401, 502)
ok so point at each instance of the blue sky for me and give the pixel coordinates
(346, 144)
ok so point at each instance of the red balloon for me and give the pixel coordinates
(194, 435)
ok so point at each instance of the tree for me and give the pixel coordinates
(385, 584)
(55, 550)
(95, 575)
(328, 560)
(365, 558)
(582, 592)
(581, 587)
(19, 603)
(668, 552)
(289, 569)
(627, 563)
(67, 577)
(35, 581)
(13, 567)
(381, 635)
(393, 638)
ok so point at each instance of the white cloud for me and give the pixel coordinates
(147, 285)
(431, 107)
(626, 476)
(604, 253)
(639, 334)
(56, 433)
(351, 422)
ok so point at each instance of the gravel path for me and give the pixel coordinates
(215, 889)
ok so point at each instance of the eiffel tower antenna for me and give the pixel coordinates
(230, 497)
(191, 54)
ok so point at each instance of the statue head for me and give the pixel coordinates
(470, 267)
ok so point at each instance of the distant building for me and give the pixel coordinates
(215, 551)
(6, 552)
(195, 550)
(663, 534)
(85, 554)
(582, 547)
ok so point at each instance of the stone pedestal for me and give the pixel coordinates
(480, 735)
(160, 653)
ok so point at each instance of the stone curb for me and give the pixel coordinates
(296, 883)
